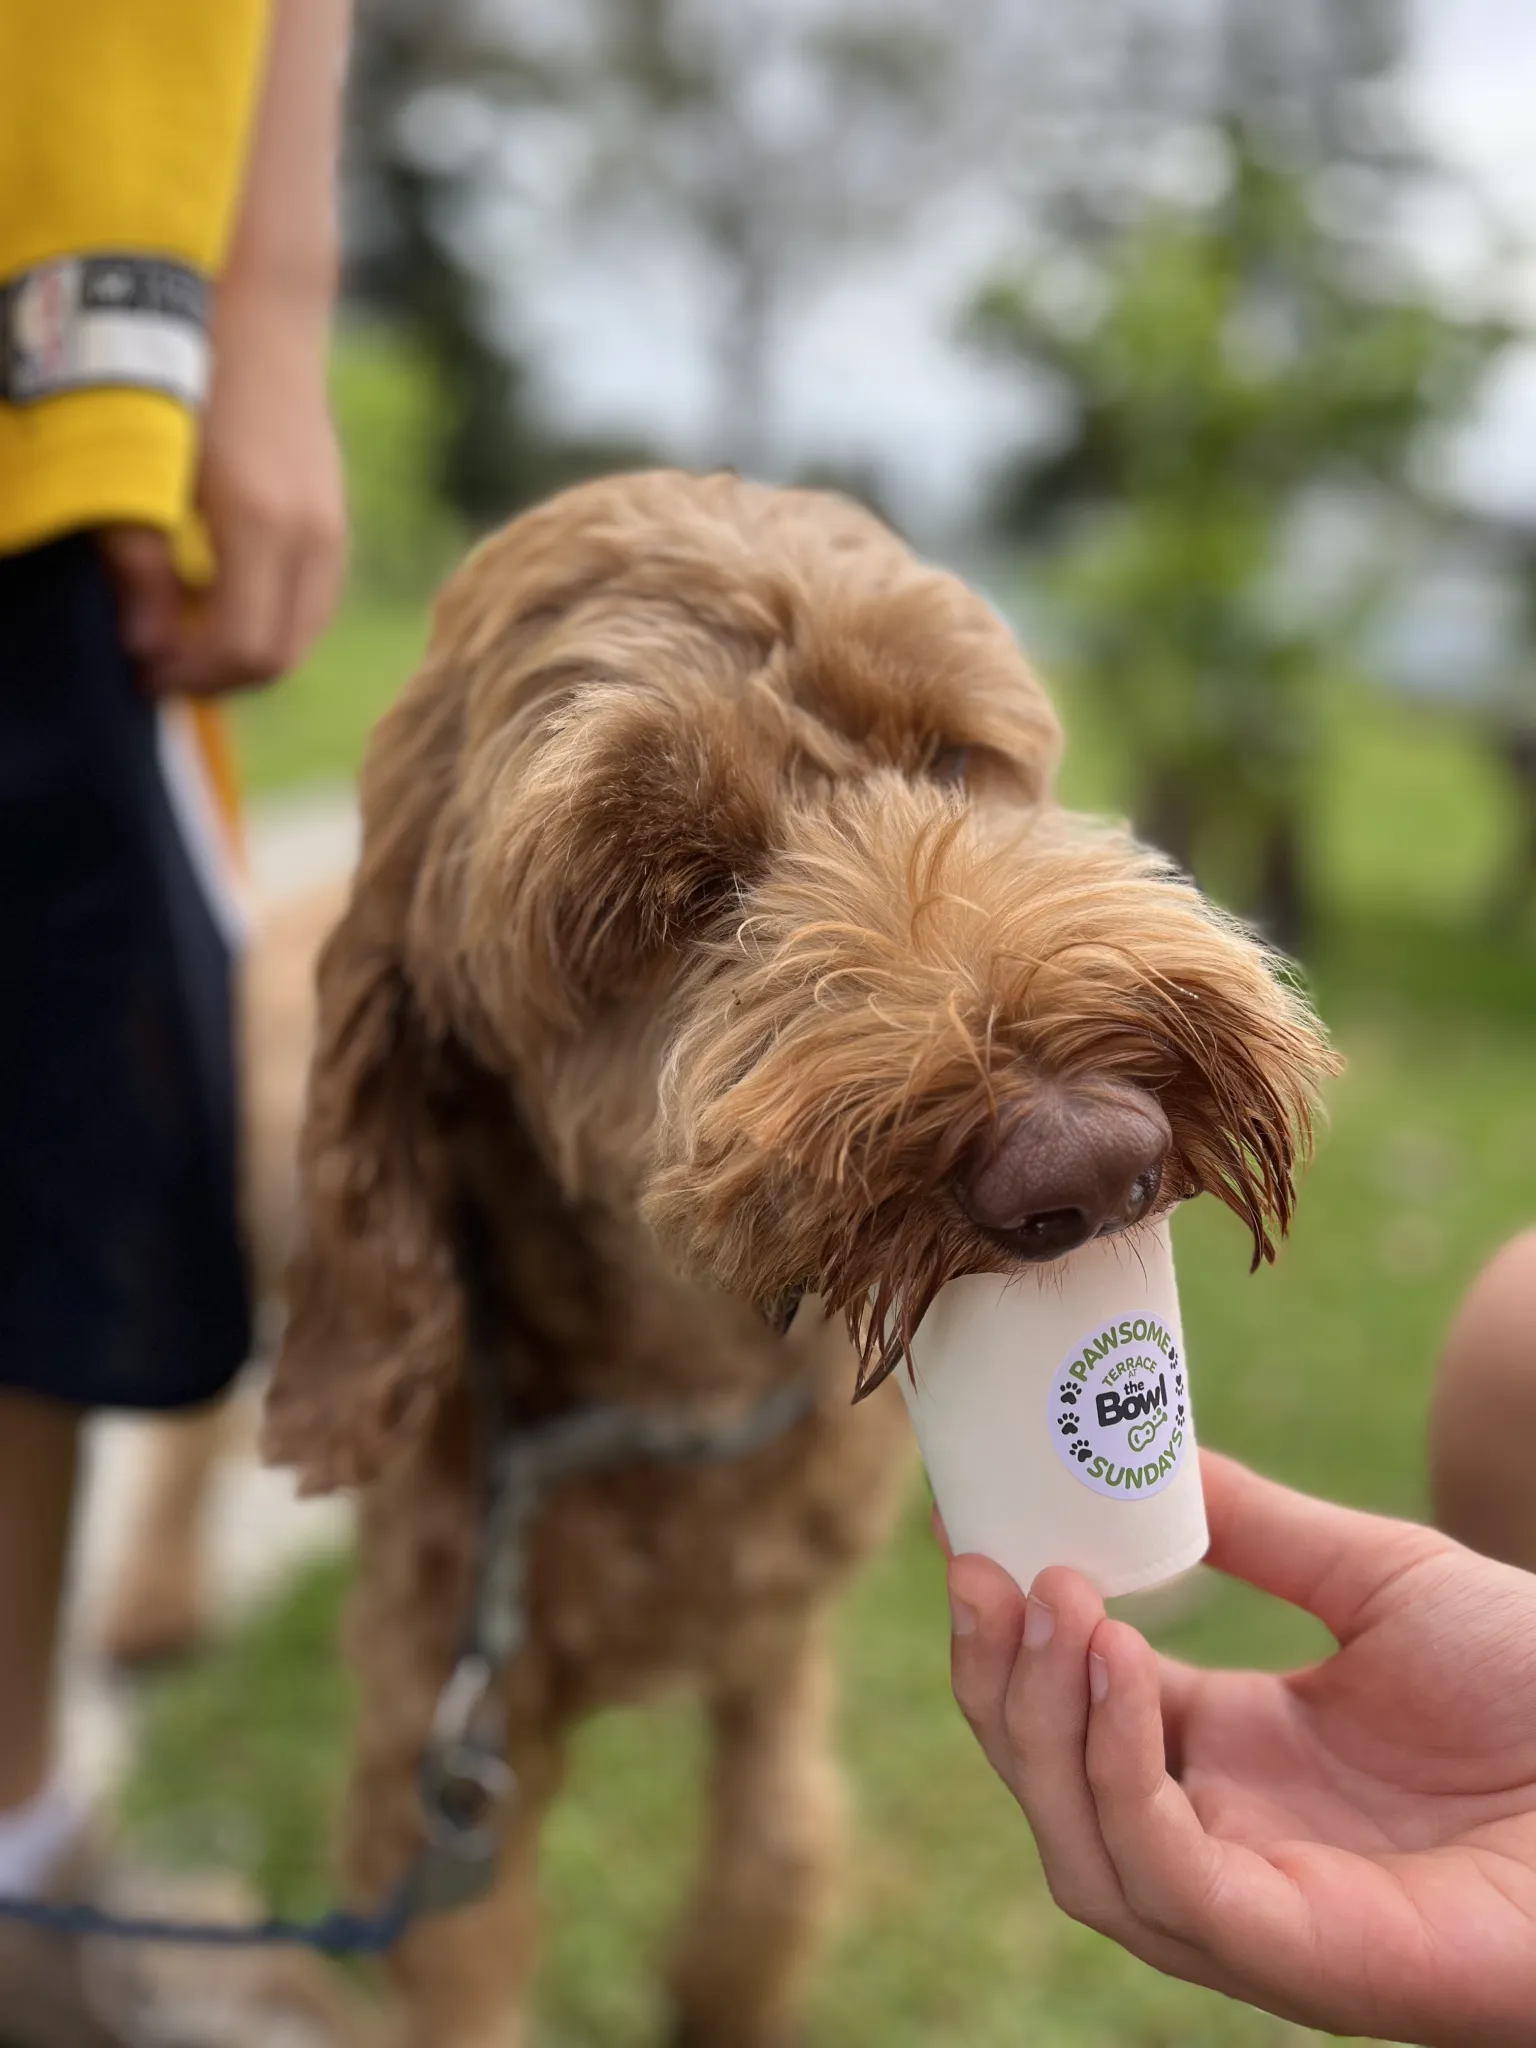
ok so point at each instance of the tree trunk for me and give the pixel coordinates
(1169, 815)
(1515, 891)
(1284, 907)
(743, 431)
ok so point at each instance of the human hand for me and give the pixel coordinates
(270, 489)
(1352, 1846)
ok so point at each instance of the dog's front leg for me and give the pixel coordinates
(774, 1813)
(463, 1976)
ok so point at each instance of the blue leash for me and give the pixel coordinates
(337, 1933)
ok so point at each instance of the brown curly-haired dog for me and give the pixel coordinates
(714, 939)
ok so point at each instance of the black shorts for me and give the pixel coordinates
(122, 1279)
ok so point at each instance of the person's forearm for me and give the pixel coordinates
(268, 486)
(286, 238)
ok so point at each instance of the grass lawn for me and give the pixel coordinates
(1318, 1371)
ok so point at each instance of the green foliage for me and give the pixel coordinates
(481, 453)
(410, 264)
(314, 726)
(434, 452)
(240, 1764)
(1220, 372)
(389, 418)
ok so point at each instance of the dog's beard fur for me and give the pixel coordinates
(718, 831)
(899, 986)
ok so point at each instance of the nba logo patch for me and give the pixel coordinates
(101, 320)
(42, 322)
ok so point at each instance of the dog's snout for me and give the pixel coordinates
(1074, 1165)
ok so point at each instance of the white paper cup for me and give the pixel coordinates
(1053, 1412)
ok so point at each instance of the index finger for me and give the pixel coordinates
(147, 590)
(1329, 1560)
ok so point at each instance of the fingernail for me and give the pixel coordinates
(1039, 1623)
(1098, 1678)
(962, 1619)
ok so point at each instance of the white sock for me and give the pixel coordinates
(34, 1838)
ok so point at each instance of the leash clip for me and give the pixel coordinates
(466, 1784)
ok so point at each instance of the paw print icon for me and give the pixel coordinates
(1069, 1394)
(1082, 1452)
(1179, 1415)
(1067, 1424)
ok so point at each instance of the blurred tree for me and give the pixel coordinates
(1211, 193)
(770, 139)
(420, 159)
(1513, 725)
(755, 147)
(752, 150)
(1515, 891)
(1228, 373)
(403, 203)
(404, 534)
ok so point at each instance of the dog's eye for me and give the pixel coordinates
(949, 766)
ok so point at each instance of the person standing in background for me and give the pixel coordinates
(172, 526)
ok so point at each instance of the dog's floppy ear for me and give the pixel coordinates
(375, 1317)
(637, 814)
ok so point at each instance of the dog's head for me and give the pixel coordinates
(719, 829)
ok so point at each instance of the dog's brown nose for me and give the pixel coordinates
(1074, 1164)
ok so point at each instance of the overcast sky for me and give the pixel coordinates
(1474, 90)
(870, 375)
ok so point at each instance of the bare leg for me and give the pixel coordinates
(156, 1606)
(39, 1444)
(1483, 1423)
(764, 1883)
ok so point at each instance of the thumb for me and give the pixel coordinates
(1326, 1559)
(142, 572)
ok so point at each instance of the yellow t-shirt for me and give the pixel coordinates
(124, 126)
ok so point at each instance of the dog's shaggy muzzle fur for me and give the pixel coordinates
(940, 1039)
